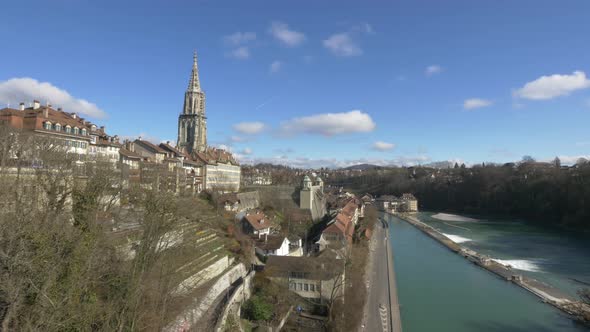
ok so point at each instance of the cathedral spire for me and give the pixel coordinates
(193, 84)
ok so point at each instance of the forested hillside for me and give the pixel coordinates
(538, 192)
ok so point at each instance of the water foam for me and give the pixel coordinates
(520, 264)
(452, 217)
(457, 238)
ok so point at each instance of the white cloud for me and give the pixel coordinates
(341, 44)
(237, 139)
(239, 38)
(549, 87)
(285, 35)
(249, 128)
(25, 89)
(570, 160)
(473, 103)
(433, 69)
(246, 151)
(382, 146)
(329, 124)
(241, 53)
(302, 162)
(275, 66)
(224, 147)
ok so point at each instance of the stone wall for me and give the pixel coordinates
(203, 276)
(193, 313)
(235, 302)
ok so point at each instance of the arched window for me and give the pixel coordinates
(83, 132)
(57, 127)
(47, 125)
(68, 129)
(76, 130)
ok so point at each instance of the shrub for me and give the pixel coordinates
(257, 309)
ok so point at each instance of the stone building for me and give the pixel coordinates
(192, 122)
(311, 197)
(213, 169)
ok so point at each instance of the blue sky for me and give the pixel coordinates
(309, 84)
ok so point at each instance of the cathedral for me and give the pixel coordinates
(192, 122)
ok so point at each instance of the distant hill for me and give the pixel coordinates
(362, 167)
(440, 164)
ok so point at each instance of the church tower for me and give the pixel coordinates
(192, 122)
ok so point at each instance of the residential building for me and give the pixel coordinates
(129, 158)
(272, 245)
(388, 203)
(256, 223)
(409, 203)
(148, 150)
(66, 129)
(319, 279)
(222, 171)
(339, 232)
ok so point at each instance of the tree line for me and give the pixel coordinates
(545, 193)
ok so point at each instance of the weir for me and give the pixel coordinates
(545, 292)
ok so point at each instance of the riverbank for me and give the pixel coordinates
(545, 292)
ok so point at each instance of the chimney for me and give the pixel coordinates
(74, 115)
(59, 109)
(22, 106)
(46, 112)
(36, 104)
(130, 146)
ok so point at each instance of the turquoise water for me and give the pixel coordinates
(440, 291)
(558, 258)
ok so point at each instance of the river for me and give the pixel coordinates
(441, 291)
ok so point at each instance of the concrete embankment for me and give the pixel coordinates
(545, 292)
(395, 316)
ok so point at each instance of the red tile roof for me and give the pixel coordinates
(343, 224)
(258, 220)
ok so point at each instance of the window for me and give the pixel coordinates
(84, 145)
(83, 132)
(47, 125)
(57, 127)
(299, 286)
(292, 286)
(312, 287)
(68, 129)
(76, 130)
(306, 287)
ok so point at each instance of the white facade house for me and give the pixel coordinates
(268, 245)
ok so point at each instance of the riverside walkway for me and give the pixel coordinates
(382, 307)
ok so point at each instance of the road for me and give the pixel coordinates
(381, 296)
